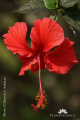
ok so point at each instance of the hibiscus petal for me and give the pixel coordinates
(46, 34)
(15, 39)
(62, 59)
(27, 62)
(35, 66)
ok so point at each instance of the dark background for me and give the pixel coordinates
(63, 91)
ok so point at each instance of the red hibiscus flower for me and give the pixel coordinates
(45, 35)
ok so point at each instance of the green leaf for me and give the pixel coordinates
(72, 16)
(51, 4)
(55, 17)
(32, 6)
(68, 3)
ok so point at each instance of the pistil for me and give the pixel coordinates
(40, 95)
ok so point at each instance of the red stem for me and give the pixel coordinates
(39, 75)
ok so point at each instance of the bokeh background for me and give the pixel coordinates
(63, 91)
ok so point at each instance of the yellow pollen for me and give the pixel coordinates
(41, 97)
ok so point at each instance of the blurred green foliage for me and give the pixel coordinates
(31, 7)
(68, 3)
(56, 6)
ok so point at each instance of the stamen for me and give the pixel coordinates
(40, 95)
(40, 74)
(41, 101)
